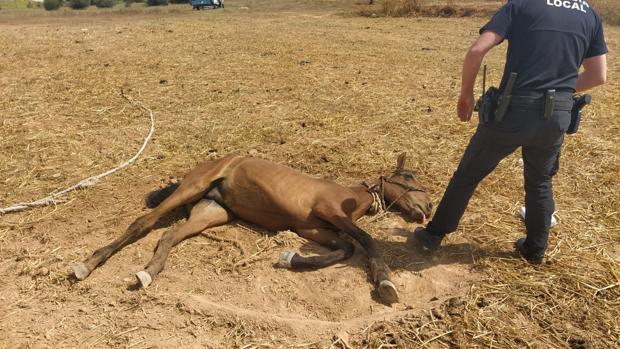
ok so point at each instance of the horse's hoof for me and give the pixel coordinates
(388, 292)
(284, 261)
(144, 278)
(80, 271)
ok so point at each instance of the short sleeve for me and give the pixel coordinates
(502, 21)
(597, 45)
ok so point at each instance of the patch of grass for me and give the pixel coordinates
(432, 8)
(13, 4)
(609, 10)
(392, 8)
(401, 8)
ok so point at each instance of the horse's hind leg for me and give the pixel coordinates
(342, 250)
(136, 231)
(205, 214)
(193, 187)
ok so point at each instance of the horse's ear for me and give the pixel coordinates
(400, 163)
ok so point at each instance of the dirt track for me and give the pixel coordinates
(333, 95)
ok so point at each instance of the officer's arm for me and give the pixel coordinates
(473, 59)
(594, 73)
(487, 40)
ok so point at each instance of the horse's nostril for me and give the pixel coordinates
(430, 206)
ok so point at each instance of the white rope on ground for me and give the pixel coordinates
(90, 181)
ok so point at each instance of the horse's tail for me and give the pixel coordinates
(156, 197)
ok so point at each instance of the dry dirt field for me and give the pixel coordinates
(317, 87)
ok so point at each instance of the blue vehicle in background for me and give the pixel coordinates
(201, 4)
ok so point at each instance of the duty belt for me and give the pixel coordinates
(546, 102)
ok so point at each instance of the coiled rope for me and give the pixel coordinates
(53, 198)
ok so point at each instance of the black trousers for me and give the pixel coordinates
(540, 140)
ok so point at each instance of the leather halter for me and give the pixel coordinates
(378, 193)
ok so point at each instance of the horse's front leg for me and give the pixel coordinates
(379, 271)
(341, 250)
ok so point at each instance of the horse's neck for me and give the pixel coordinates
(364, 201)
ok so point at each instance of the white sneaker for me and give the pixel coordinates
(554, 221)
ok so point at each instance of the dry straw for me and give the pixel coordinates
(57, 196)
(331, 95)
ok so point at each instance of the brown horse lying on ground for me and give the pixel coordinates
(277, 198)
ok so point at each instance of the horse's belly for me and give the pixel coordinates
(275, 221)
(271, 200)
(271, 213)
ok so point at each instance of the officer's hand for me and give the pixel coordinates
(465, 106)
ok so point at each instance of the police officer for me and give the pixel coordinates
(548, 41)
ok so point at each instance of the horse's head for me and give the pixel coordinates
(402, 191)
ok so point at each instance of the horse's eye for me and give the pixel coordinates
(408, 177)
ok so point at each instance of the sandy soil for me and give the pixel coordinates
(312, 86)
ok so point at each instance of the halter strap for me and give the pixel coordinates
(378, 194)
(407, 187)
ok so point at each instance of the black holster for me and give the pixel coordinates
(580, 103)
(487, 104)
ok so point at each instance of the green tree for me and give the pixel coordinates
(51, 5)
(156, 2)
(105, 3)
(79, 4)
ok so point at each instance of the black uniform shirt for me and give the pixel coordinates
(547, 41)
